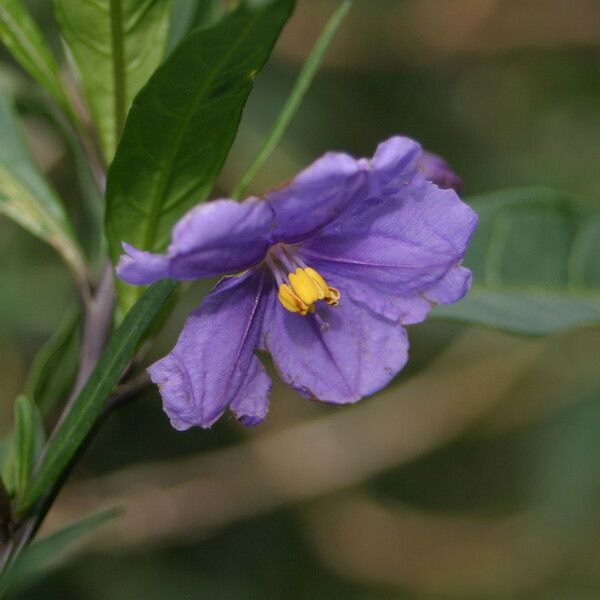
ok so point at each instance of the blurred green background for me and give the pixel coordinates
(477, 473)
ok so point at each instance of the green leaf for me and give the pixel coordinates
(187, 15)
(7, 470)
(54, 368)
(22, 448)
(28, 440)
(182, 125)
(535, 263)
(302, 85)
(26, 197)
(21, 35)
(117, 44)
(90, 402)
(48, 552)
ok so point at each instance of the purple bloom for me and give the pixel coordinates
(329, 269)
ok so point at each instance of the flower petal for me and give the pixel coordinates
(392, 255)
(317, 196)
(214, 238)
(356, 355)
(213, 364)
(141, 268)
(393, 165)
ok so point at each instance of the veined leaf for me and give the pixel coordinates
(182, 125)
(26, 198)
(117, 44)
(90, 402)
(21, 35)
(535, 261)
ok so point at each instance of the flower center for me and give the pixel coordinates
(300, 286)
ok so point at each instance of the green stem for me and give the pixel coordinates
(307, 74)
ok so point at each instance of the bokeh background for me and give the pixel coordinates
(476, 474)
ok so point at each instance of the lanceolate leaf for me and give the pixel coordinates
(535, 261)
(28, 440)
(182, 125)
(20, 34)
(55, 366)
(25, 196)
(116, 44)
(90, 402)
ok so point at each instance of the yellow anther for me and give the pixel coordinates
(331, 295)
(291, 302)
(306, 287)
(316, 278)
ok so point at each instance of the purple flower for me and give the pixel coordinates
(328, 270)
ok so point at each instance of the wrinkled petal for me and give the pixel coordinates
(393, 165)
(213, 364)
(391, 255)
(438, 171)
(214, 238)
(250, 407)
(452, 287)
(355, 356)
(316, 197)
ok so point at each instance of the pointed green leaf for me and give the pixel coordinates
(26, 197)
(22, 447)
(182, 125)
(117, 44)
(91, 401)
(28, 440)
(20, 34)
(535, 263)
(54, 368)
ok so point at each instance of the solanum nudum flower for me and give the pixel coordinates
(323, 274)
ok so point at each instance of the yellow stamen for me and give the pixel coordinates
(290, 301)
(306, 287)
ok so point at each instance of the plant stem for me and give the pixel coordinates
(307, 74)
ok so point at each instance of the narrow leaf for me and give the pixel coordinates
(28, 437)
(49, 552)
(302, 85)
(116, 44)
(26, 197)
(182, 125)
(54, 368)
(535, 262)
(20, 34)
(90, 402)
